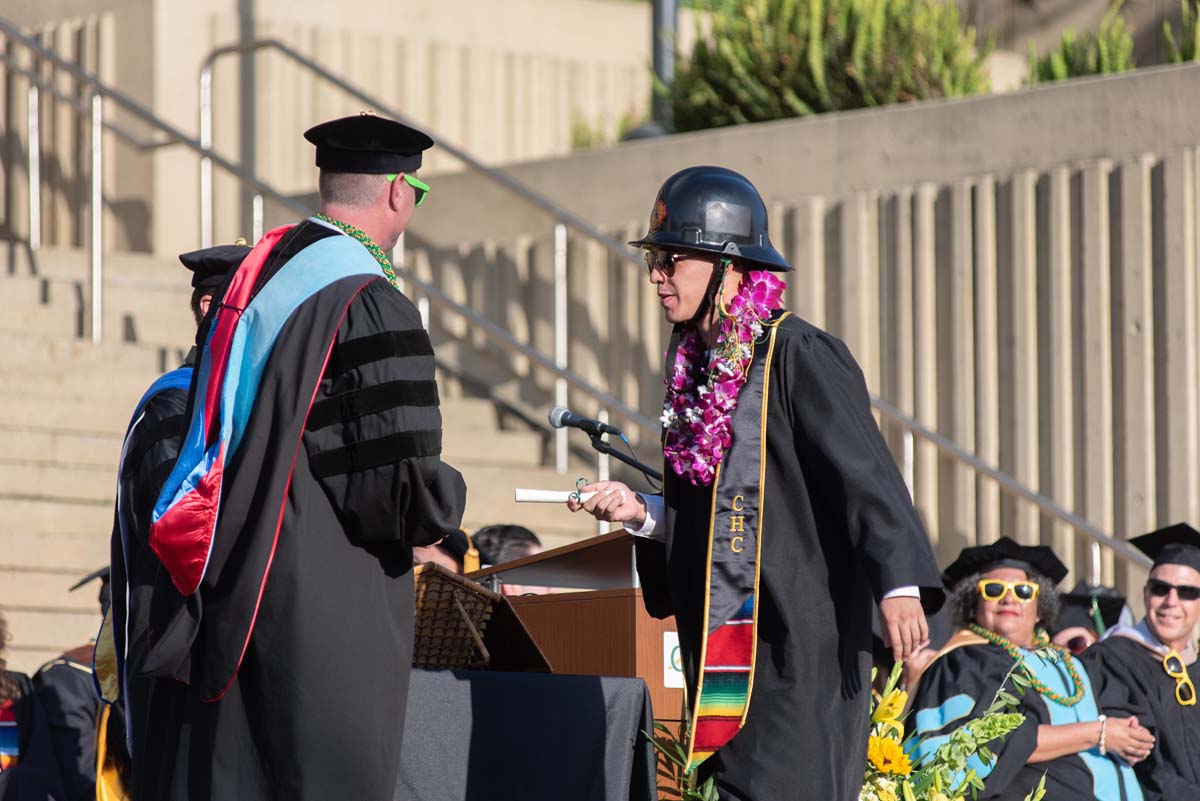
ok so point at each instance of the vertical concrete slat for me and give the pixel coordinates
(925, 364)
(987, 356)
(1133, 361)
(1056, 347)
(956, 355)
(1177, 409)
(1025, 374)
(855, 286)
(1095, 275)
(807, 282)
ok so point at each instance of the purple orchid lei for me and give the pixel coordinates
(696, 416)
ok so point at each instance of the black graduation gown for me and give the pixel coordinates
(969, 677)
(35, 777)
(1172, 771)
(67, 692)
(839, 531)
(316, 706)
(151, 448)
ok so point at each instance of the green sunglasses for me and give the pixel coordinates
(420, 187)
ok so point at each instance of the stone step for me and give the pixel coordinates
(51, 445)
(21, 354)
(46, 513)
(68, 553)
(107, 412)
(73, 264)
(57, 483)
(34, 631)
(28, 660)
(49, 587)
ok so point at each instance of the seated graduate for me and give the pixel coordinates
(1003, 598)
(1156, 660)
(28, 769)
(1085, 614)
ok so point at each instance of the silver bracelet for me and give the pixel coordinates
(1103, 734)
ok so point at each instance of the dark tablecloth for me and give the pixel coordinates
(491, 736)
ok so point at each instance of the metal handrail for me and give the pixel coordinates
(1009, 484)
(489, 328)
(500, 177)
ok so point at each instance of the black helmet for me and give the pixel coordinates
(712, 210)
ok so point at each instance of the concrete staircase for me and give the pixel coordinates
(64, 404)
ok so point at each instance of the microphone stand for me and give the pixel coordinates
(603, 447)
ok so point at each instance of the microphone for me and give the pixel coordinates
(561, 416)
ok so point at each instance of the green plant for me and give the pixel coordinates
(1107, 51)
(1188, 46)
(772, 59)
(672, 764)
(585, 136)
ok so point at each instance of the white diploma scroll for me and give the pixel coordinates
(546, 496)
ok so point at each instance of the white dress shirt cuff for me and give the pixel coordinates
(903, 592)
(653, 527)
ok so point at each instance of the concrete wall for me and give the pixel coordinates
(1018, 272)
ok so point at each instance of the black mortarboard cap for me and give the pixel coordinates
(366, 143)
(1079, 607)
(209, 266)
(1005, 552)
(1178, 544)
(103, 574)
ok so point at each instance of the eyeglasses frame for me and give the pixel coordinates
(1182, 679)
(413, 181)
(1009, 587)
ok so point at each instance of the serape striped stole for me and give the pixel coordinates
(727, 651)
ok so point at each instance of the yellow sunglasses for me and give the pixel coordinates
(994, 590)
(1185, 691)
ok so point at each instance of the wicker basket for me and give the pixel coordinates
(450, 618)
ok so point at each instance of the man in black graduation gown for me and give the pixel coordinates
(284, 613)
(836, 534)
(1156, 660)
(147, 455)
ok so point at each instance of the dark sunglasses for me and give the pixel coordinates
(1161, 589)
(661, 260)
(1185, 691)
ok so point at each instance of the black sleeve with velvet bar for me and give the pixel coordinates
(374, 433)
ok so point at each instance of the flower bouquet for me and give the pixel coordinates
(944, 776)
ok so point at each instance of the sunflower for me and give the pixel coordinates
(886, 755)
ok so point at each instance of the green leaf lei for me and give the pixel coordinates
(1041, 641)
(361, 237)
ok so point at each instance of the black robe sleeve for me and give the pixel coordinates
(374, 434)
(68, 697)
(651, 560)
(849, 467)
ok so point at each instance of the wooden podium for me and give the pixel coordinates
(601, 628)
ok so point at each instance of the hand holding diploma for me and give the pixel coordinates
(610, 501)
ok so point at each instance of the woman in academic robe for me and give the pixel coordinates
(1156, 660)
(28, 770)
(1078, 731)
